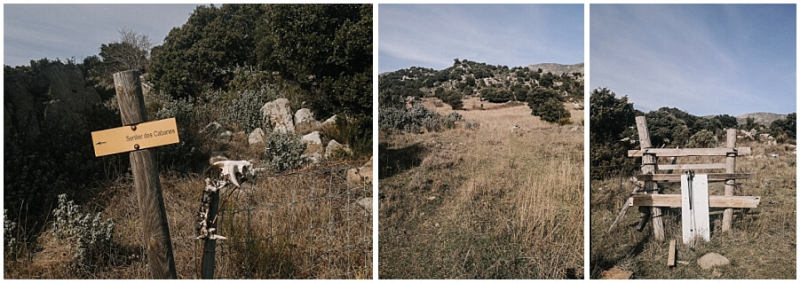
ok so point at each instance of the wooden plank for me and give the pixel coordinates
(650, 166)
(730, 167)
(671, 256)
(153, 213)
(712, 177)
(680, 152)
(694, 215)
(674, 200)
(692, 166)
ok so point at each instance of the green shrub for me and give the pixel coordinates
(91, 236)
(284, 152)
(355, 131)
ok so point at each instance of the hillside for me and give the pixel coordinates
(544, 91)
(763, 118)
(558, 69)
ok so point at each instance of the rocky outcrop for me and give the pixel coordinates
(304, 122)
(56, 98)
(361, 175)
(280, 115)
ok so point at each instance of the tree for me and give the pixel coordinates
(610, 119)
(326, 48)
(787, 126)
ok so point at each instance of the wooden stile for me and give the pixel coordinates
(650, 166)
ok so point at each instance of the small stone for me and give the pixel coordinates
(256, 137)
(616, 273)
(710, 260)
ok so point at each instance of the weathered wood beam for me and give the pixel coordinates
(680, 152)
(674, 200)
(712, 177)
(692, 166)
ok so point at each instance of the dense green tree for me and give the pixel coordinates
(610, 118)
(787, 126)
(327, 48)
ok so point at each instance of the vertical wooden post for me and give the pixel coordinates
(210, 246)
(730, 166)
(650, 166)
(145, 179)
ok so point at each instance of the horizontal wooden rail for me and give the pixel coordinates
(691, 166)
(713, 201)
(712, 177)
(670, 152)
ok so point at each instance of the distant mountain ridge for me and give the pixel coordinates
(763, 118)
(557, 69)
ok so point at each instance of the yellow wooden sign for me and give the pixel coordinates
(135, 137)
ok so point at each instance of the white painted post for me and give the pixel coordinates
(698, 215)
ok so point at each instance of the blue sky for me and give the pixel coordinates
(32, 32)
(703, 59)
(432, 36)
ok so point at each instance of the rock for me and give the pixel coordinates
(331, 122)
(334, 146)
(314, 158)
(360, 176)
(304, 122)
(57, 98)
(577, 106)
(616, 273)
(225, 136)
(256, 137)
(314, 147)
(710, 260)
(212, 128)
(366, 203)
(280, 115)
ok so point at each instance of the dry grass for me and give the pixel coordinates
(485, 202)
(762, 242)
(303, 225)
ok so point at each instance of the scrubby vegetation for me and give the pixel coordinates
(544, 92)
(461, 196)
(221, 66)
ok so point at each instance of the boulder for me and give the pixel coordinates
(360, 176)
(313, 143)
(710, 260)
(577, 106)
(366, 203)
(225, 136)
(333, 147)
(256, 137)
(279, 114)
(212, 128)
(304, 122)
(616, 273)
(331, 122)
(57, 98)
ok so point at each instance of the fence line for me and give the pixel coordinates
(302, 225)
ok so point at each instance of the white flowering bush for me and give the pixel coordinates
(89, 236)
(9, 238)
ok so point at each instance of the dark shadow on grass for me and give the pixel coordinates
(395, 161)
(601, 262)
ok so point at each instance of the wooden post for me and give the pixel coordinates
(650, 166)
(145, 179)
(210, 246)
(671, 254)
(730, 166)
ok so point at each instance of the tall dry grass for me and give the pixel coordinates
(760, 245)
(485, 202)
(303, 225)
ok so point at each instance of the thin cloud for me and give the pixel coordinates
(704, 59)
